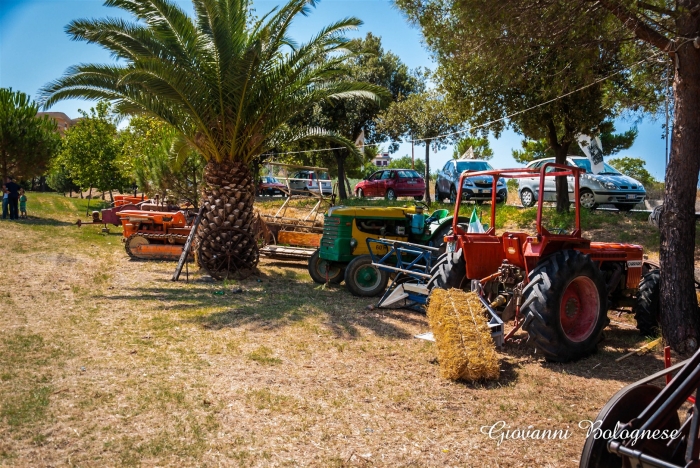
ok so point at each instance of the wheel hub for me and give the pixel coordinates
(367, 277)
(579, 309)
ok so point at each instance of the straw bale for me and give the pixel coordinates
(460, 326)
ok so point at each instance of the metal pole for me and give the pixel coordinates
(413, 158)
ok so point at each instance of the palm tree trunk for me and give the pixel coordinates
(225, 244)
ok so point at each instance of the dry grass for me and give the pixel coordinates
(105, 362)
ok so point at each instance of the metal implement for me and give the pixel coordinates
(658, 411)
(410, 263)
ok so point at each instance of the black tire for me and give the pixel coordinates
(320, 269)
(390, 194)
(450, 271)
(419, 198)
(624, 406)
(527, 198)
(567, 276)
(363, 279)
(646, 305)
(360, 193)
(587, 199)
(439, 196)
(624, 206)
(438, 238)
(453, 194)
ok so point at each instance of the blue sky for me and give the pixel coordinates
(34, 49)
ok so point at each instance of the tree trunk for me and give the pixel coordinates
(225, 245)
(561, 183)
(679, 306)
(427, 172)
(111, 197)
(340, 160)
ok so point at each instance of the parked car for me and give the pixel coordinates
(307, 181)
(608, 186)
(391, 184)
(270, 186)
(474, 188)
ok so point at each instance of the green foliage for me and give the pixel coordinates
(227, 83)
(634, 167)
(479, 145)
(354, 117)
(58, 178)
(147, 154)
(90, 151)
(404, 162)
(27, 143)
(612, 143)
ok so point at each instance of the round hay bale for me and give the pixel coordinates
(460, 326)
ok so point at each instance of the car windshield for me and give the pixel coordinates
(473, 166)
(406, 174)
(270, 180)
(323, 176)
(586, 164)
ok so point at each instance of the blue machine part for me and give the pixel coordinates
(417, 223)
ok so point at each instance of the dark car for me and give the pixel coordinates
(477, 189)
(392, 183)
(271, 186)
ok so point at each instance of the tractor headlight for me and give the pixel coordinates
(353, 243)
(610, 186)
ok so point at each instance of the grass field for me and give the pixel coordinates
(105, 362)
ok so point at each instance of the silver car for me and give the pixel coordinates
(307, 181)
(608, 186)
(477, 189)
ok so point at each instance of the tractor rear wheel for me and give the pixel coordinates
(565, 306)
(364, 279)
(322, 271)
(450, 271)
(646, 305)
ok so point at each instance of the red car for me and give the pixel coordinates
(271, 186)
(392, 183)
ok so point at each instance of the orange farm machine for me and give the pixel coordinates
(154, 235)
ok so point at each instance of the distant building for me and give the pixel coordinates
(63, 122)
(382, 160)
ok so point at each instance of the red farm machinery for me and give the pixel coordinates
(554, 283)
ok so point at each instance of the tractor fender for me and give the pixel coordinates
(446, 221)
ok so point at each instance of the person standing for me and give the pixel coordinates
(22, 204)
(13, 197)
(5, 201)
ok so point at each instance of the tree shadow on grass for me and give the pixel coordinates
(40, 222)
(271, 303)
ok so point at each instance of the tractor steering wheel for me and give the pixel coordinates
(423, 204)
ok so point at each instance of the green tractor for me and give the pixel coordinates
(344, 254)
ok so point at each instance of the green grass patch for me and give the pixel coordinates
(264, 355)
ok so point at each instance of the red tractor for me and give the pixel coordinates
(557, 285)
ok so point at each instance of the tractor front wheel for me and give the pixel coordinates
(450, 271)
(565, 306)
(364, 279)
(322, 271)
(646, 305)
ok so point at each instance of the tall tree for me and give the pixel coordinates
(498, 67)
(27, 142)
(228, 83)
(672, 28)
(90, 151)
(424, 117)
(607, 28)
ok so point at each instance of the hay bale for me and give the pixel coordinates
(464, 345)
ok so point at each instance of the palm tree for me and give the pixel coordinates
(229, 84)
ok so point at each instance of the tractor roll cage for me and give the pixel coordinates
(560, 170)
